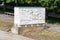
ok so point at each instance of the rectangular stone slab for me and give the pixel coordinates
(28, 16)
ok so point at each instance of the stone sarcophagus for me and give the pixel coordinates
(28, 16)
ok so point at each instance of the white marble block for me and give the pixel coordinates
(28, 15)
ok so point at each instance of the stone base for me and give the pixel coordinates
(15, 30)
(18, 30)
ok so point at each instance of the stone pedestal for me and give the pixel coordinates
(15, 30)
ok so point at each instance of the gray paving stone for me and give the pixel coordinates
(9, 36)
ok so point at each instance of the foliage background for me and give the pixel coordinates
(50, 5)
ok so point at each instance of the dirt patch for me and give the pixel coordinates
(39, 33)
(5, 26)
(24, 30)
(44, 35)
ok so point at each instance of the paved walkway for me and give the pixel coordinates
(9, 36)
(54, 27)
(6, 18)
